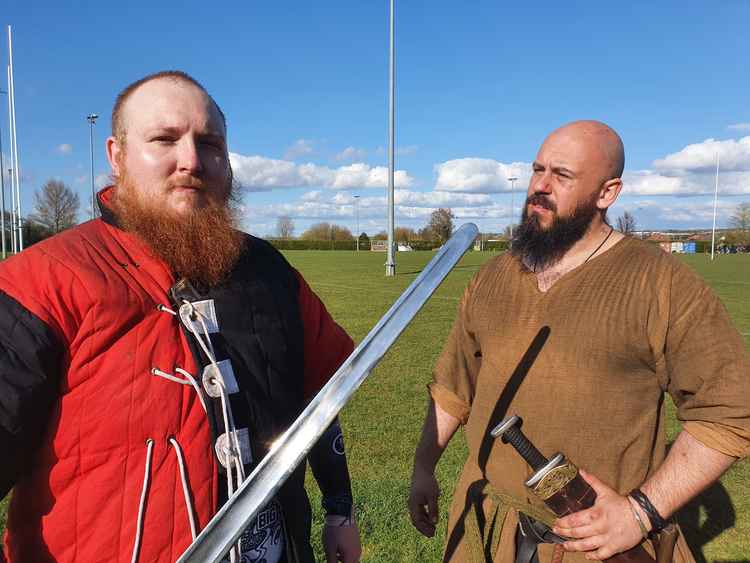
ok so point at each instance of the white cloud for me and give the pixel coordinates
(734, 155)
(65, 148)
(480, 175)
(258, 173)
(319, 206)
(649, 182)
(352, 153)
(314, 195)
(300, 147)
(739, 126)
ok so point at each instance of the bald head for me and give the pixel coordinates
(602, 145)
(119, 118)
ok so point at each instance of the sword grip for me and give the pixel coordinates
(516, 438)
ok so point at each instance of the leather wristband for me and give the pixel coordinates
(657, 522)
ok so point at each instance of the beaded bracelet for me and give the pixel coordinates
(657, 522)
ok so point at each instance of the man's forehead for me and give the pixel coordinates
(567, 149)
(167, 103)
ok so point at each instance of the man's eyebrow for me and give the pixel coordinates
(158, 129)
(172, 130)
(563, 169)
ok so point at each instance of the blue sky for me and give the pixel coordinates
(480, 83)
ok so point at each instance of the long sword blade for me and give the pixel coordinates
(288, 451)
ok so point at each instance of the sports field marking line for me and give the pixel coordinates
(385, 291)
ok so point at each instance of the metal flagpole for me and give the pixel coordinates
(2, 191)
(356, 212)
(390, 264)
(13, 245)
(716, 199)
(512, 181)
(16, 170)
(92, 119)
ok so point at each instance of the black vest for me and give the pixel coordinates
(261, 332)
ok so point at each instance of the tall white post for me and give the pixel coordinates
(356, 212)
(16, 169)
(2, 192)
(390, 264)
(13, 231)
(92, 117)
(512, 181)
(716, 199)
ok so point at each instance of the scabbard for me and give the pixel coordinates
(564, 491)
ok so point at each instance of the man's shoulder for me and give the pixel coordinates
(640, 254)
(62, 247)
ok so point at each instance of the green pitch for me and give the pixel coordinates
(383, 420)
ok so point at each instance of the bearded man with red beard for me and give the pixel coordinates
(153, 355)
(581, 331)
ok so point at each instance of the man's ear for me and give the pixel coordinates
(114, 154)
(609, 192)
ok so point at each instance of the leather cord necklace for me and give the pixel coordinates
(609, 234)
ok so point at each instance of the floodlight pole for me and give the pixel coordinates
(2, 191)
(356, 212)
(512, 181)
(14, 141)
(390, 264)
(10, 173)
(716, 199)
(92, 119)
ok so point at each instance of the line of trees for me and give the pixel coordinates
(55, 209)
(438, 230)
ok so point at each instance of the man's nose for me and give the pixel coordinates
(541, 184)
(189, 158)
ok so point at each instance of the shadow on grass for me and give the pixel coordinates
(475, 493)
(720, 516)
(473, 267)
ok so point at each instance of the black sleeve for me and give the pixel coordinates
(328, 462)
(30, 362)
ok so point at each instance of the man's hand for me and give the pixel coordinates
(341, 543)
(603, 530)
(423, 501)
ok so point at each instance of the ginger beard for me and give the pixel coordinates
(539, 248)
(201, 245)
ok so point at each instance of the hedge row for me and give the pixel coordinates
(299, 244)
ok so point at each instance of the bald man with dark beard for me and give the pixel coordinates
(596, 327)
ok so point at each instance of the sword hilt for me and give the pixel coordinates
(509, 431)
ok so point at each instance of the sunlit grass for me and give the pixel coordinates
(383, 420)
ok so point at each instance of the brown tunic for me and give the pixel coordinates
(597, 352)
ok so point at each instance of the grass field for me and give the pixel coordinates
(383, 420)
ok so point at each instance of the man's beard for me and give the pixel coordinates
(201, 245)
(539, 248)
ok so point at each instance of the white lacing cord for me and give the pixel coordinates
(189, 380)
(233, 454)
(142, 505)
(165, 309)
(185, 489)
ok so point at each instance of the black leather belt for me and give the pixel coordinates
(529, 535)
